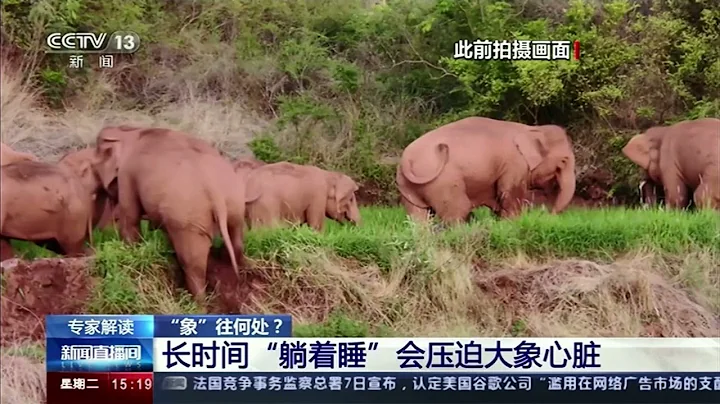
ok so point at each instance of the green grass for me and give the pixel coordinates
(135, 278)
(599, 234)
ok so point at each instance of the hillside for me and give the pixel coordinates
(345, 86)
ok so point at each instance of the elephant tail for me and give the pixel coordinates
(221, 216)
(442, 151)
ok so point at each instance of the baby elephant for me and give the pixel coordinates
(297, 194)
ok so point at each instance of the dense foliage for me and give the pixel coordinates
(354, 81)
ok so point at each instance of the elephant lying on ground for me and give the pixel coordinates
(682, 158)
(44, 202)
(294, 193)
(8, 155)
(484, 162)
(181, 183)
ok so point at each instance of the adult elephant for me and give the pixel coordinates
(179, 182)
(9, 156)
(484, 162)
(45, 203)
(682, 158)
(293, 193)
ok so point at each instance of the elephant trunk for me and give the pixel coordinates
(566, 185)
(354, 214)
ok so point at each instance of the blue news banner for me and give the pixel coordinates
(254, 359)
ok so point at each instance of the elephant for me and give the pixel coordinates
(484, 162)
(682, 158)
(80, 163)
(9, 156)
(45, 203)
(293, 193)
(179, 182)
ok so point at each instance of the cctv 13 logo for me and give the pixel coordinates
(91, 42)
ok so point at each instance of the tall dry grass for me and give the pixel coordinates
(28, 126)
(22, 380)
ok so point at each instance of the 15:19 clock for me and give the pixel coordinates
(123, 383)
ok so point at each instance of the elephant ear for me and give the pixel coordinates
(638, 150)
(84, 169)
(333, 192)
(340, 186)
(253, 188)
(531, 145)
(106, 165)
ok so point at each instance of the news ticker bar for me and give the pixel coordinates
(278, 387)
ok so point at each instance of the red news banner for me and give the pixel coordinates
(99, 387)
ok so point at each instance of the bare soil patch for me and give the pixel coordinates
(233, 295)
(37, 288)
(372, 194)
(33, 289)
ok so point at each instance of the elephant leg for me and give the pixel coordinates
(73, 236)
(510, 194)
(129, 212)
(192, 251)
(6, 250)
(452, 206)
(315, 216)
(263, 216)
(73, 248)
(676, 192)
(415, 212)
(706, 197)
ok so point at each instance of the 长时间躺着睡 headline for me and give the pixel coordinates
(434, 355)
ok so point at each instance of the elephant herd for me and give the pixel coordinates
(184, 186)
(485, 162)
(179, 183)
